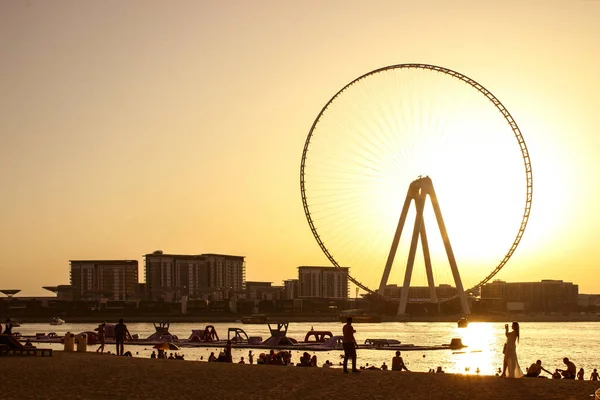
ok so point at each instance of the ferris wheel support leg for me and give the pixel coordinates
(428, 268)
(394, 248)
(419, 200)
(451, 259)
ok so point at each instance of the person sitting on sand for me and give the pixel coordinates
(439, 370)
(580, 374)
(327, 364)
(228, 356)
(171, 356)
(305, 360)
(594, 375)
(212, 357)
(313, 361)
(371, 367)
(7, 327)
(398, 363)
(242, 361)
(556, 375)
(384, 367)
(261, 359)
(153, 355)
(571, 370)
(535, 369)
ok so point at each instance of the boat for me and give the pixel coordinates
(382, 342)
(57, 321)
(463, 322)
(255, 319)
(360, 316)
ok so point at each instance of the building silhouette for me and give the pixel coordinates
(170, 277)
(544, 296)
(322, 282)
(103, 279)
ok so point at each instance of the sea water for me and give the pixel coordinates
(547, 341)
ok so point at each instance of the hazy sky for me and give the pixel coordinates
(132, 126)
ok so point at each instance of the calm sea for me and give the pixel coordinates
(548, 341)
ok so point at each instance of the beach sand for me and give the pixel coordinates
(93, 376)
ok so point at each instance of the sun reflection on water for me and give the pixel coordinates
(482, 352)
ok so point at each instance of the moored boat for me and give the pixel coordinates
(360, 316)
(255, 319)
(57, 321)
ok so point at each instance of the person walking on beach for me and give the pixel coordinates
(350, 345)
(250, 357)
(101, 337)
(120, 333)
(510, 367)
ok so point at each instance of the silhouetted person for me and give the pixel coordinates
(580, 374)
(7, 327)
(153, 355)
(101, 337)
(535, 369)
(398, 363)
(228, 357)
(510, 367)
(350, 345)
(571, 370)
(439, 370)
(120, 335)
(594, 375)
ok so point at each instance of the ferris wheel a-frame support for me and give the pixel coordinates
(418, 191)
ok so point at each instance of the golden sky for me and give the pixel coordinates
(128, 127)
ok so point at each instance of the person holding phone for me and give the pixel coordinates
(510, 367)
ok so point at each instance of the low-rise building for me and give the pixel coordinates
(544, 296)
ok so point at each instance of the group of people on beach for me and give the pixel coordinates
(510, 365)
(511, 368)
(121, 333)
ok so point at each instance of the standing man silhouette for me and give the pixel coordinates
(350, 345)
(121, 332)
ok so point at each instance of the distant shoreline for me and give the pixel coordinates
(314, 318)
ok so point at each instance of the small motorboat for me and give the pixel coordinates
(57, 321)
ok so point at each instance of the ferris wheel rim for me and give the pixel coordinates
(497, 104)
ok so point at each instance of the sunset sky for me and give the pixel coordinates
(128, 127)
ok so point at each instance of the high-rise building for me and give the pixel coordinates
(171, 276)
(109, 279)
(323, 282)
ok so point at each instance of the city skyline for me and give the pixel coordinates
(128, 128)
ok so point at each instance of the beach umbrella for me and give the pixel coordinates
(166, 346)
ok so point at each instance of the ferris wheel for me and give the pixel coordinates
(381, 134)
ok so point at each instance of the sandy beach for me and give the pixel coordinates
(93, 376)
